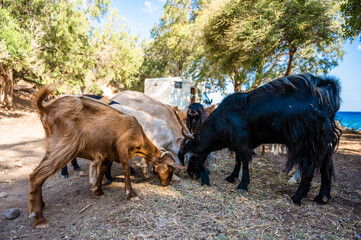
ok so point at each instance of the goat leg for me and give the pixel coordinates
(245, 158)
(108, 175)
(43, 171)
(97, 187)
(303, 188)
(124, 160)
(75, 165)
(64, 172)
(235, 172)
(326, 173)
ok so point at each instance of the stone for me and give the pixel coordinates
(18, 164)
(12, 213)
(3, 194)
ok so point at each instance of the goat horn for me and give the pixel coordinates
(175, 165)
(166, 153)
(187, 135)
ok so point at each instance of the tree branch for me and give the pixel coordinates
(16, 75)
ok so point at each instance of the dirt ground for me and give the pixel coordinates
(183, 210)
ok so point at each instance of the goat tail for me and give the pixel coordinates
(41, 95)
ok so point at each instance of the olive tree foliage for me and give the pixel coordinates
(116, 55)
(351, 12)
(171, 49)
(251, 42)
(61, 41)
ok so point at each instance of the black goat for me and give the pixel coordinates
(297, 111)
(196, 115)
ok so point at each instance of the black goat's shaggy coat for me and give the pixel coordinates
(297, 111)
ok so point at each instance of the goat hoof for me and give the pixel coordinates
(321, 200)
(130, 194)
(41, 222)
(206, 184)
(77, 169)
(230, 179)
(43, 225)
(292, 181)
(98, 193)
(242, 186)
(204, 178)
(64, 176)
(242, 192)
(134, 199)
(296, 200)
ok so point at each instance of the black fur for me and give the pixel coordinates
(196, 115)
(297, 111)
(64, 170)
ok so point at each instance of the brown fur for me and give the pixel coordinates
(82, 127)
(211, 108)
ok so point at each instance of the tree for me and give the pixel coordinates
(250, 42)
(173, 45)
(237, 38)
(16, 45)
(117, 56)
(351, 12)
(61, 41)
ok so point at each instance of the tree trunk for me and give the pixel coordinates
(290, 59)
(237, 83)
(6, 86)
(237, 86)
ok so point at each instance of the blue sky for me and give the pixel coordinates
(141, 16)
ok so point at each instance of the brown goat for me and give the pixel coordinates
(82, 127)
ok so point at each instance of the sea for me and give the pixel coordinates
(350, 120)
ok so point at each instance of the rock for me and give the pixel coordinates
(3, 194)
(12, 213)
(22, 227)
(18, 164)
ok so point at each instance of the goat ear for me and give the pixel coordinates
(173, 164)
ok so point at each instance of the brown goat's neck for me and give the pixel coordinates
(150, 152)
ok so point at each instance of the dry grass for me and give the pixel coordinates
(187, 211)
